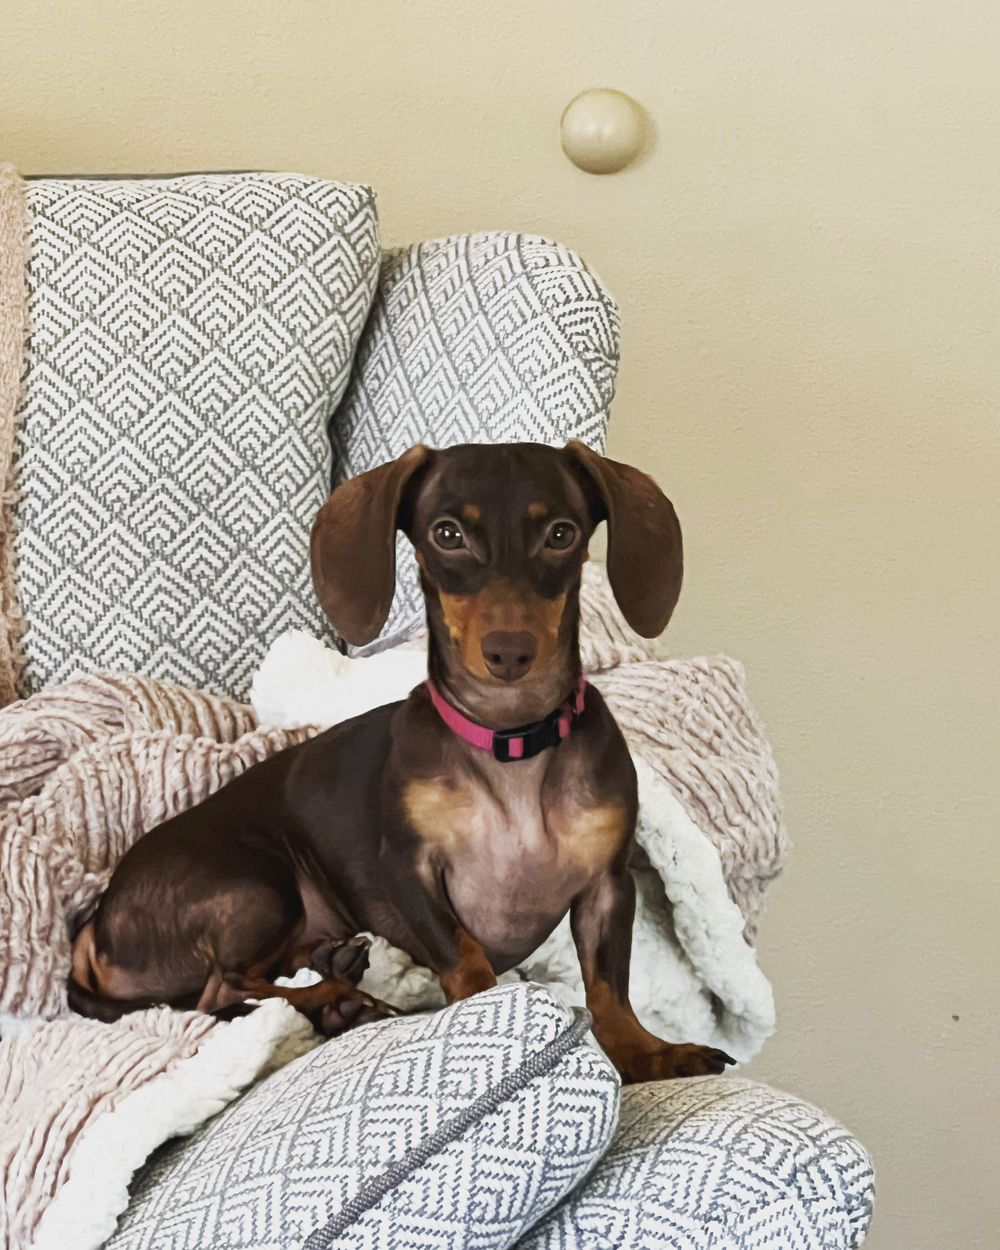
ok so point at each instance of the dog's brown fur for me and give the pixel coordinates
(390, 822)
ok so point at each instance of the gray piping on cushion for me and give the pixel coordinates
(375, 1190)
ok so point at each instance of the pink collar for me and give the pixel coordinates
(507, 745)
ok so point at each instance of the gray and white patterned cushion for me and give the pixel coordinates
(189, 340)
(481, 338)
(457, 1129)
(718, 1164)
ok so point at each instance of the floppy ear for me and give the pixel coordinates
(645, 554)
(353, 547)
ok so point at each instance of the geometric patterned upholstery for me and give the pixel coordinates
(189, 339)
(489, 337)
(718, 1163)
(456, 1129)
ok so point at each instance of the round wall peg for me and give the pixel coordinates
(602, 130)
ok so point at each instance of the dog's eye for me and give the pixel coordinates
(561, 535)
(448, 536)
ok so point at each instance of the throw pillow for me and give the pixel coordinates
(459, 1129)
(189, 339)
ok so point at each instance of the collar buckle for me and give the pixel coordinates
(526, 741)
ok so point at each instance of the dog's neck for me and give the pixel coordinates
(497, 704)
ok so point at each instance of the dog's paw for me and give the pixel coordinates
(342, 961)
(674, 1061)
(350, 1009)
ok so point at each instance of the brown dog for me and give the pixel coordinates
(461, 824)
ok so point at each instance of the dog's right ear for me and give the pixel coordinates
(353, 547)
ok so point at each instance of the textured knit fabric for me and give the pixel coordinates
(693, 722)
(92, 766)
(85, 1103)
(718, 1164)
(13, 311)
(189, 340)
(458, 1129)
(88, 767)
(479, 338)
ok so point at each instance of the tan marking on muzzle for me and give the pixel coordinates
(457, 611)
(502, 605)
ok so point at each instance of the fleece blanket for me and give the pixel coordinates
(85, 1104)
(86, 768)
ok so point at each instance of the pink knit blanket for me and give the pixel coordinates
(87, 768)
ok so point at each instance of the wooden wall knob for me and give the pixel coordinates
(602, 130)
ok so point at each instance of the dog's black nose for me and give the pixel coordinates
(509, 655)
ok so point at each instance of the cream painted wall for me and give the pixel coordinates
(809, 271)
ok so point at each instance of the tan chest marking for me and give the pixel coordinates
(590, 837)
(442, 813)
(447, 816)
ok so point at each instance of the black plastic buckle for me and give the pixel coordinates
(538, 737)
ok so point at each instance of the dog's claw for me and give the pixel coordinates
(717, 1060)
(676, 1061)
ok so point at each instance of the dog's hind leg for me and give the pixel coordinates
(333, 1004)
(218, 997)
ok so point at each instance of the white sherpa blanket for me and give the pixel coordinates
(85, 1104)
(695, 977)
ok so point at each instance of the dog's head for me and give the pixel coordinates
(500, 533)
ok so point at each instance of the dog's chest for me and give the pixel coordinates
(514, 852)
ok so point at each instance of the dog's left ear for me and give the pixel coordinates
(645, 553)
(353, 547)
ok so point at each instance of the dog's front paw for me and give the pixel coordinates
(350, 1009)
(672, 1061)
(342, 961)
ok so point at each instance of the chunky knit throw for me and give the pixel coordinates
(86, 768)
(86, 1103)
(13, 331)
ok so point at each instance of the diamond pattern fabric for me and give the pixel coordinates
(189, 339)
